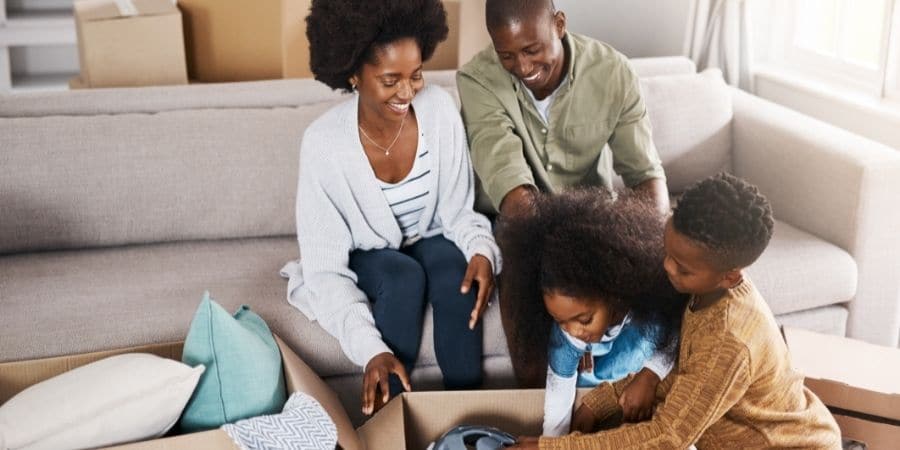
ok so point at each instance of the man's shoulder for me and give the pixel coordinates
(485, 69)
(597, 59)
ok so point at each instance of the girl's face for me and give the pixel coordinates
(584, 318)
(387, 87)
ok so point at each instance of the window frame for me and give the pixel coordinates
(883, 80)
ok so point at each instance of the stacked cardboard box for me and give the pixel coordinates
(129, 43)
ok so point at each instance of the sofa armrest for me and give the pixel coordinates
(836, 185)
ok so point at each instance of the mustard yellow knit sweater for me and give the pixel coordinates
(733, 389)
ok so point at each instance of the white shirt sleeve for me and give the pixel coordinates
(660, 364)
(559, 397)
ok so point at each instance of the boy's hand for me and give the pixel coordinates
(583, 420)
(638, 397)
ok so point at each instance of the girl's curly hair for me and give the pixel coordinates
(589, 243)
(344, 34)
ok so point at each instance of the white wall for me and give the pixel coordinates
(637, 28)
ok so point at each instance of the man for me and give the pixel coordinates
(540, 107)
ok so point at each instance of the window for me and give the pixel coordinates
(853, 43)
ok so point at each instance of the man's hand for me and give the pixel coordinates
(638, 397)
(378, 369)
(583, 420)
(479, 270)
(525, 443)
(519, 201)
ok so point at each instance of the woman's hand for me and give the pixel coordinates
(479, 270)
(525, 443)
(638, 397)
(378, 369)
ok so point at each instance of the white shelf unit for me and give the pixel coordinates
(38, 48)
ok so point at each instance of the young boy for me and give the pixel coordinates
(733, 386)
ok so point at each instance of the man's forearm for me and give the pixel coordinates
(656, 191)
(518, 201)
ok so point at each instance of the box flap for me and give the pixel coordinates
(90, 10)
(298, 376)
(387, 428)
(846, 373)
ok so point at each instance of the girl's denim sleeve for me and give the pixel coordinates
(563, 355)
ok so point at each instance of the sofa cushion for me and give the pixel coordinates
(691, 119)
(169, 176)
(57, 303)
(799, 271)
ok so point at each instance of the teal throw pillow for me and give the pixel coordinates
(243, 376)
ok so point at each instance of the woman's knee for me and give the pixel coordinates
(389, 274)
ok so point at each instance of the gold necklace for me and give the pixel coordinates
(387, 150)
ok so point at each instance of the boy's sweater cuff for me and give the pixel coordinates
(603, 401)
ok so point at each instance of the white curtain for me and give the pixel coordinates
(718, 36)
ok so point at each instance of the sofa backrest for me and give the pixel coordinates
(124, 166)
(108, 167)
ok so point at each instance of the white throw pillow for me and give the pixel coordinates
(120, 399)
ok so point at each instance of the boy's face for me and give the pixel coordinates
(689, 266)
(532, 51)
(583, 318)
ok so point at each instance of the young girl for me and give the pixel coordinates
(586, 272)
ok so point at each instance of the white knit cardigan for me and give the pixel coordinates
(340, 208)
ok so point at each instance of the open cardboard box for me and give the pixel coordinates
(413, 420)
(859, 382)
(18, 375)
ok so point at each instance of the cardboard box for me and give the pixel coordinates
(859, 382)
(413, 420)
(16, 376)
(468, 35)
(129, 43)
(237, 40)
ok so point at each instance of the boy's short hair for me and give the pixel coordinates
(727, 216)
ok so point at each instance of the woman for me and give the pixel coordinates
(384, 202)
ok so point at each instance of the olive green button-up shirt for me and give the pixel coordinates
(599, 104)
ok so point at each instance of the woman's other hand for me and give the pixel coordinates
(378, 369)
(481, 271)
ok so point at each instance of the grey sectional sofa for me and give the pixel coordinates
(119, 207)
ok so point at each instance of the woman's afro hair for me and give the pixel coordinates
(344, 34)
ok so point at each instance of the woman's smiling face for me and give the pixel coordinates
(388, 85)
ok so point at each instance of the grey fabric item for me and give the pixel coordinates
(302, 425)
(837, 186)
(828, 273)
(691, 118)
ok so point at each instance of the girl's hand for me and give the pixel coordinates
(525, 443)
(479, 270)
(638, 397)
(378, 369)
(583, 420)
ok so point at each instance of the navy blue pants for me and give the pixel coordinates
(398, 284)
